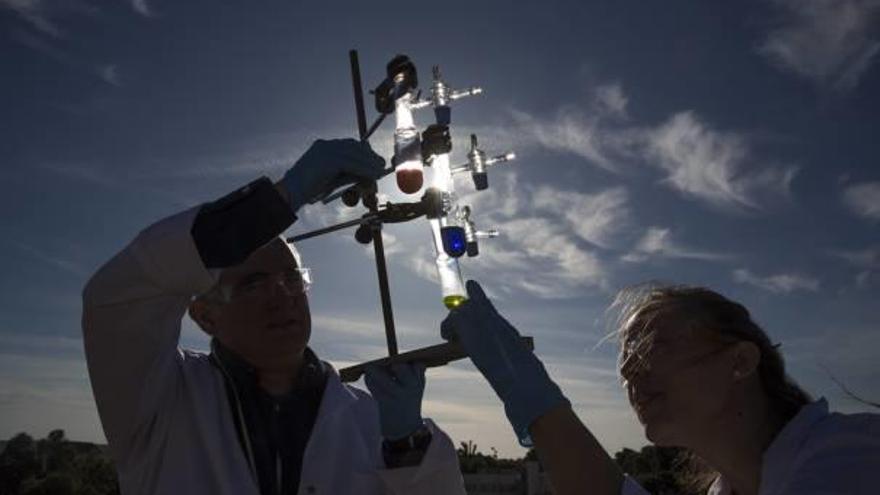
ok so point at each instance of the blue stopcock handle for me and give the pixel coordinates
(454, 241)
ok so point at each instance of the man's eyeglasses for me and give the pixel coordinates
(296, 281)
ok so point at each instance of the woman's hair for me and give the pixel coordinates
(704, 310)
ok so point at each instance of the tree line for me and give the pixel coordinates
(660, 470)
(57, 466)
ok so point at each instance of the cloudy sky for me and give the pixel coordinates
(725, 144)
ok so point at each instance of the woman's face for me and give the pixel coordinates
(678, 378)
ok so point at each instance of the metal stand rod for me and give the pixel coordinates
(358, 93)
(384, 290)
(371, 203)
(332, 228)
(391, 213)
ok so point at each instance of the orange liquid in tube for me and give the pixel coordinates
(410, 180)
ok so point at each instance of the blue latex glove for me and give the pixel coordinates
(513, 370)
(329, 165)
(398, 390)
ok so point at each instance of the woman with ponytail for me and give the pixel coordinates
(701, 375)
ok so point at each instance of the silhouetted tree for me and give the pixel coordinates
(55, 452)
(96, 473)
(58, 483)
(18, 462)
(472, 460)
(55, 466)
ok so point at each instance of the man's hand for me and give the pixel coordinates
(328, 165)
(398, 391)
(513, 370)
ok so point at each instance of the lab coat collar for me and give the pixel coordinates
(776, 466)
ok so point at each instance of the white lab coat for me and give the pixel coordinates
(166, 413)
(816, 453)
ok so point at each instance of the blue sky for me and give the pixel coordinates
(726, 144)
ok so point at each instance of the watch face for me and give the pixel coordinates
(418, 439)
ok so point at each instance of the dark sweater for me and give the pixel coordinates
(278, 427)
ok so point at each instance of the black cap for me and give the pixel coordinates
(473, 249)
(481, 180)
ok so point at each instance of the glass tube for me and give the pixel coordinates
(448, 270)
(451, 284)
(409, 170)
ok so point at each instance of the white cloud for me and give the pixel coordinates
(46, 36)
(610, 99)
(34, 13)
(52, 260)
(544, 245)
(544, 230)
(34, 344)
(270, 154)
(41, 45)
(864, 278)
(868, 258)
(110, 74)
(711, 165)
(782, 283)
(51, 48)
(569, 131)
(700, 162)
(141, 7)
(596, 218)
(91, 174)
(657, 242)
(588, 134)
(826, 41)
(864, 199)
(446, 411)
(41, 15)
(110, 178)
(420, 262)
(867, 261)
(342, 326)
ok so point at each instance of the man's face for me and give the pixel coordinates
(265, 318)
(677, 380)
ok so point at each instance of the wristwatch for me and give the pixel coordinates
(407, 451)
(418, 439)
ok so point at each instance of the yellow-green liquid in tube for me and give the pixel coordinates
(452, 302)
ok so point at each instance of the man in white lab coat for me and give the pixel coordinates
(260, 414)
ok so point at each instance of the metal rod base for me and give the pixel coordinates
(431, 357)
